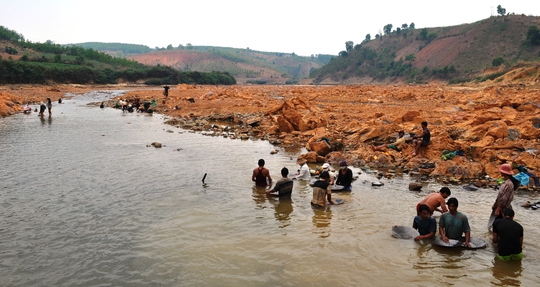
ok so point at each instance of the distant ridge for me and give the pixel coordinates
(456, 53)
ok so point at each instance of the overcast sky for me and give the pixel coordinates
(302, 27)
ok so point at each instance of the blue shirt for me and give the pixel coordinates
(424, 226)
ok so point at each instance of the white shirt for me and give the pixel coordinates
(304, 172)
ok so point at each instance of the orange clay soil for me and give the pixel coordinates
(491, 125)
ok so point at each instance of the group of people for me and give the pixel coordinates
(43, 107)
(135, 105)
(322, 188)
(453, 224)
(418, 140)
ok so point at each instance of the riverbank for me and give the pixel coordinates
(491, 125)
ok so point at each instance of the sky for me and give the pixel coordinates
(288, 26)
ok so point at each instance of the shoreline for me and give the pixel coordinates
(490, 124)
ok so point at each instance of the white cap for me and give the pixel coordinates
(326, 166)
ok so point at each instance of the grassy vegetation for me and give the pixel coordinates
(43, 63)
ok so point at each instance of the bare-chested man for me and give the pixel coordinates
(435, 200)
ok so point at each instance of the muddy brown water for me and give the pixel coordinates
(84, 202)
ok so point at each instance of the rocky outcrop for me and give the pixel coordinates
(489, 125)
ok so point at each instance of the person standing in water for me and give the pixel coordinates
(509, 236)
(261, 175)
(506, 191)
(304, 172)
(283, 186)
(322, 193)
(42, 108)
(424, 223)
(453, 224)
(49, 106)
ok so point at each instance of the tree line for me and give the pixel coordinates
(47, 62)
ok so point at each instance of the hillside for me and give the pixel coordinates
(455, 53)
(26, 62)
(246, 65)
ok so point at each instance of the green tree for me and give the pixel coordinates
(387, 29)
(169, 47)
(189, 46)
(411, 26)
(533, 35)
(368, 38)
(497, 61)
(410, 58)
(349, 46)
(431, 36)
(423, 34)
(404, 26)
(343, 54)
(501, 11)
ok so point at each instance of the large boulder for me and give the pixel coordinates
(313, 157)
(410, 115)
(321, 147)
(283, 124)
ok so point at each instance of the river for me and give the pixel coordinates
(85, 202)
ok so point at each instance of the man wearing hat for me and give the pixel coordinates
(506, 191)
(345, 176)
(303, 172)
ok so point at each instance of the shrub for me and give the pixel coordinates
(497, 61)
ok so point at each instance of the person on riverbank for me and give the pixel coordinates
(425, 223)
(453, 223)
(49, 106)
(326, 167)
(397, 145)
(506, 191)
(509, 236)
(435, 200)
(166, 91)
(261, 175)
(42, 108)
(321, 191)
(303, 172)
(283, 186)
(345, 175)
(422, 139)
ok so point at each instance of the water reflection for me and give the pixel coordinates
(259, 196)
(507, 272)
(283, 208)
(321, 216)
